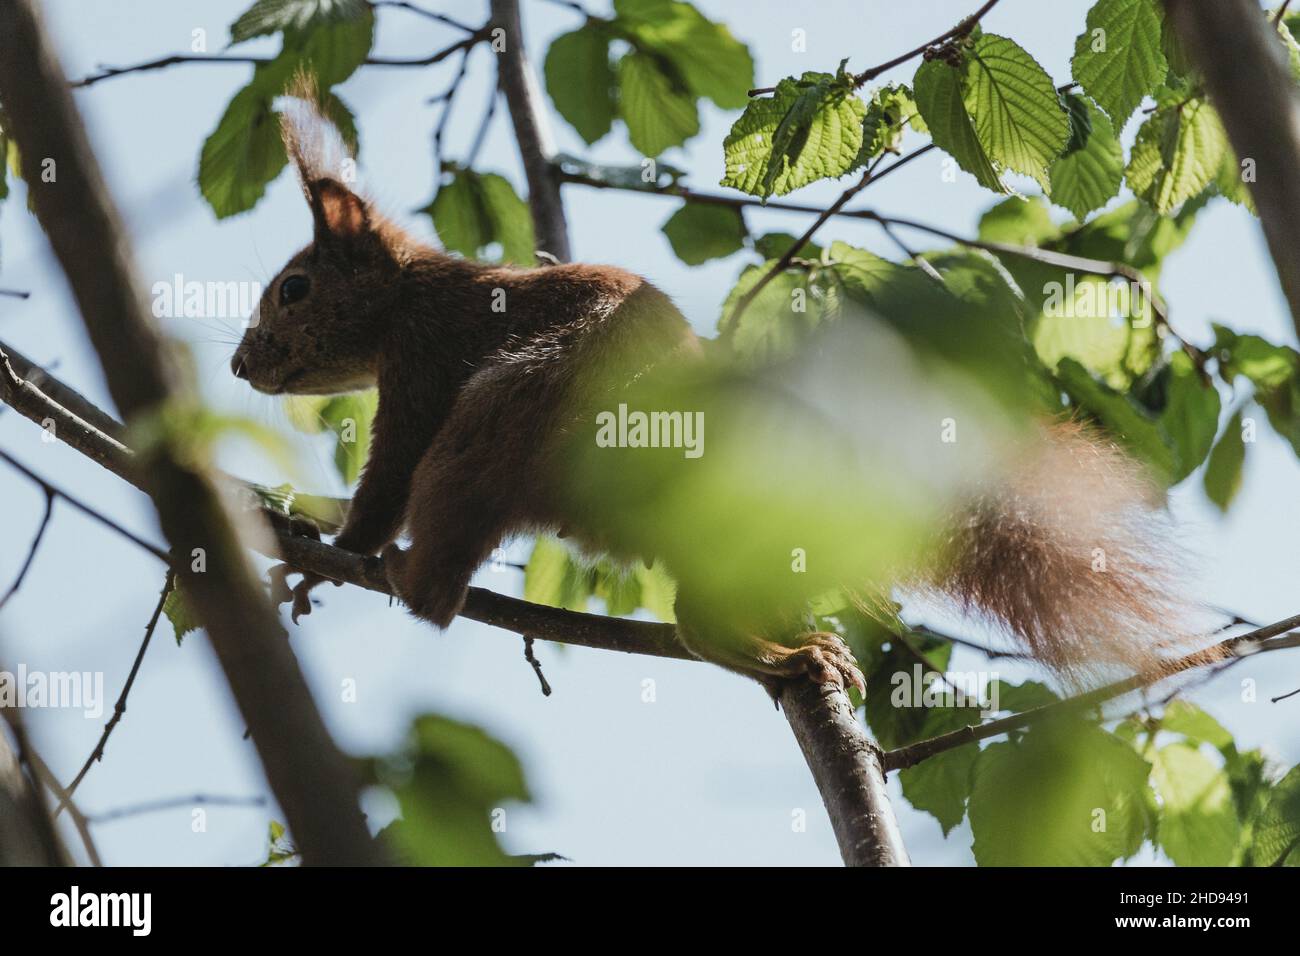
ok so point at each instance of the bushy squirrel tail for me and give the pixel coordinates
(1073, 555)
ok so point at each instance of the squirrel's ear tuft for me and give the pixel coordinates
(339, 212)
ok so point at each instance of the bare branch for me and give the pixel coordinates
(866, 76)
(532, 131)
(175, 59)
(170, 803)
(31, 552)
(120, 707)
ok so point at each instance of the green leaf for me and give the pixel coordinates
(1066, 794)
(1089, 177)
(581, 81)
(699, 232)
(1120, 415)
(1019, 698)
(1192, 722)
(472, 211)
(1015, 108)
(556, 577)
(450, 780)
(1190, 417)
(245, 152)
(1198, 823)
(178, 612)
(711, 62)
(778, 318)
(809, 129)
(348, 416)
(1119, 59)
(659, 114)
(552, 577)
(1179, 151)
(271, 16)
(242, 155)
(940, 784)
(774, 245)
(939, 98)
(891, 110)
(1018, 221)
(1277, 831)
(1223, 473)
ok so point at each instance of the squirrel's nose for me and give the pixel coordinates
(237, 366)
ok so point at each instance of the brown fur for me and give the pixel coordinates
(476, 403)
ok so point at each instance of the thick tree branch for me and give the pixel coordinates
(315, 785)
(847, 768)
(532, 131)
(1248, 79)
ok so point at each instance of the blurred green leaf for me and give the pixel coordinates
(1198, 825)
(1224, 471)
(699, 232)
(1065, 794)
(450, 778)
(1277, 832)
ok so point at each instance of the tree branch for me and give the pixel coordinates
(960, 30)
(1273, 637)
(174, 59)
(532, 131)
(315, 785)
(1245, 70)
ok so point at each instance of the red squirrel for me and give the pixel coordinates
(482, 371)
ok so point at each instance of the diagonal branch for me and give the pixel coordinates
(119, 708)
(1274, 637)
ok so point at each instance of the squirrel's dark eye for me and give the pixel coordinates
(293, 288)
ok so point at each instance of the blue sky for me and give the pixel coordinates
(708, 772)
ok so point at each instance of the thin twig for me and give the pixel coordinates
(120, 707)
(421, 11)
(153, 806)
(86, 509)
(537, 665)
(960, 30)
(31, 552)
(175, 59)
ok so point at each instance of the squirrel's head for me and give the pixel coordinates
(319, 324)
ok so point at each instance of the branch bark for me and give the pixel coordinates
(1249, 81)
(532, 132)
(310, 777)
